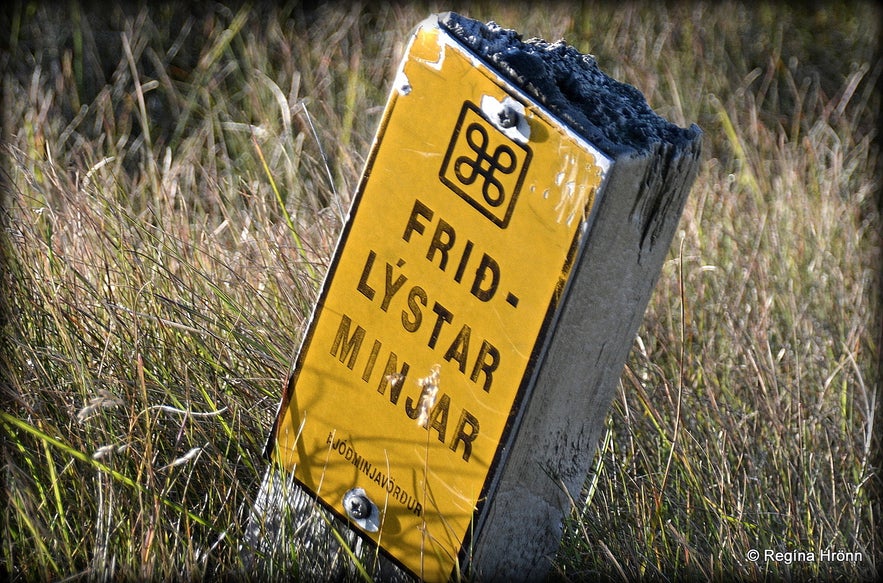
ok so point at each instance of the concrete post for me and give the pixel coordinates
(555, 421)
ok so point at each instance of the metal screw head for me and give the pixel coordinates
(361, 509)
(507, 116)
(358, 507)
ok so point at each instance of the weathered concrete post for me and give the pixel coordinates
(507, 233)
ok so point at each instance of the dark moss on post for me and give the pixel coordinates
(612, 115)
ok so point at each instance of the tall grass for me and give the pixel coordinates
(745, 417)
(170, 205)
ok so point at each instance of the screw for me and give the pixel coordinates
(358, 507)
(508, 117)
(361, 510)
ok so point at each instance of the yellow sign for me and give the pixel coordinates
(433, 315)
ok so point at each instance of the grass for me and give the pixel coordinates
(170, 206)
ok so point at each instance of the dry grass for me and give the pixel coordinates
(170, 206)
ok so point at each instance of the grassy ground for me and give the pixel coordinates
(172, 192)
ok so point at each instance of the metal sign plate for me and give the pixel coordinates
(434, 313)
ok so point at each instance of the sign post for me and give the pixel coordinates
(481, 302)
